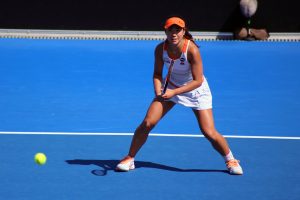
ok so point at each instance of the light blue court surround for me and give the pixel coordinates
(106, 86)
(87, 86)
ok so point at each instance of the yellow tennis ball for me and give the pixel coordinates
(40, 158)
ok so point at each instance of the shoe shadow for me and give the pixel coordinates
(110, 165)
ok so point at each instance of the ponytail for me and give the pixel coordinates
(189, 36)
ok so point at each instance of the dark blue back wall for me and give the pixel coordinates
(201, 15)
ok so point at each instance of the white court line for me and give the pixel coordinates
(151, 134)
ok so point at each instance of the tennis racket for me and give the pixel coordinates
(168, 77)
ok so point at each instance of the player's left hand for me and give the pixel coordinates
(169, 94)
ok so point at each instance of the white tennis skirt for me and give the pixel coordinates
(198, 99)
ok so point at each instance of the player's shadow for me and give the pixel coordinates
(110, 165)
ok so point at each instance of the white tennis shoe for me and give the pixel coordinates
(126, 164)
(234, 167)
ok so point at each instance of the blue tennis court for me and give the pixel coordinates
(79, 101)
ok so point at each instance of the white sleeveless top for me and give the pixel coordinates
(181, 73)
(199, 98)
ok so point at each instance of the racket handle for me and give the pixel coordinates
(165, 87)
(168, 76)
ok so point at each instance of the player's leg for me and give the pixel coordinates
(155, 112)
(207, 126)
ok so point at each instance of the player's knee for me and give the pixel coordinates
(210, 133)
(147, 125)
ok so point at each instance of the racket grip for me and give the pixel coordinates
(168, 76)
(165, 88)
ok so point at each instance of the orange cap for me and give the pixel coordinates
(174, 21)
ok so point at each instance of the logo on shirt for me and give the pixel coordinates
(182, 59)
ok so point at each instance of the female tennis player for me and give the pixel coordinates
(186, 85)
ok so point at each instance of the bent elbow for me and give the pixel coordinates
(199, 82)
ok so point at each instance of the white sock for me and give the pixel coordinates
(228, 157)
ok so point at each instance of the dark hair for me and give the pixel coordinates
(189, 36)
